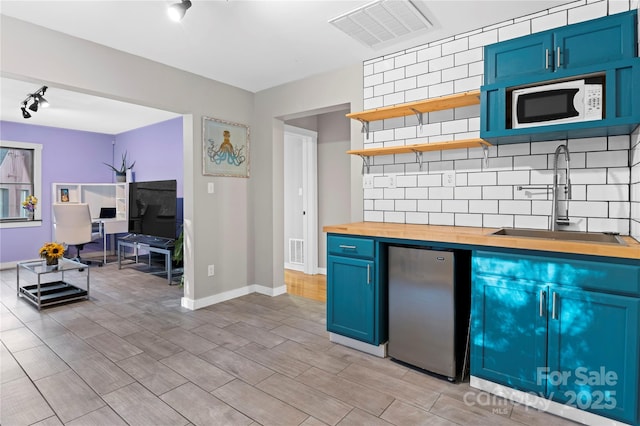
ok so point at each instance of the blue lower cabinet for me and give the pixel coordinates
(554, 339)
(351, 297)
(508, 332)
(594, 353)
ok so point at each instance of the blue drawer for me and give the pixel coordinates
(607, 276)
(351, 246)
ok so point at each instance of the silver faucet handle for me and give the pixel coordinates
(568, 189)
(564, 221)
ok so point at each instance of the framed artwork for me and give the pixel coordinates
(225, 148)
(64, 195)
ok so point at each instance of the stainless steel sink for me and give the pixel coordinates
(593, 237)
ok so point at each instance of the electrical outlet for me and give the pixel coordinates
(210, 188)
(449, 178)
(392, 181)
(367, 181)
(211, 270)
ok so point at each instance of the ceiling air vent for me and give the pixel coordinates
(382, 22)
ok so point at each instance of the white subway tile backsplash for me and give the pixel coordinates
(406, 59)
(483, 178)
(417, 69)
(406, 205)
(467, 84)
(430, 205)
(514, 207)
(590, 11)
(442, 219)
(548, 22)
(373, 216)
(416, 193)
(440, 193)
(394, 217)
(588, 208)
(608, 159)
(535, 222)
(465, 219)
(467, 193)
(497, 221)
(455, 73)
(429, 53)
(406, 84)
(441, 89)
(497, 193)
(483, 206)
(512, 31)
(417, 94)
(484, 38)
(514, 149)
(618, 209)
(520, 177)
(430, 180)
(382, 205)
(468, 56)
(607, 192)
(455, 206)
(620, 226)
(486, 194)
(618, 175)
(417, 218)
(455, 46)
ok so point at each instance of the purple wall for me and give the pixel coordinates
(159, 157)
(78, 156)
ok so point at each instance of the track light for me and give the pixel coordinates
(25, 113)
(38, 101)
(176, 11)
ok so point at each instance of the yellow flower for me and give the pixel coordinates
(52, 250)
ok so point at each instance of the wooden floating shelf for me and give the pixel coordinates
(435, 104)
(422, 147)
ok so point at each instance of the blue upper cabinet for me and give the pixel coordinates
(602, 51)
(573, 47)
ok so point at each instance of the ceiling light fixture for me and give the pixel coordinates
(38, 100)
(176, 11)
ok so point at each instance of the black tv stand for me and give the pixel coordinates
(149, 243)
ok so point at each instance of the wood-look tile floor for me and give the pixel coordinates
(132, 355)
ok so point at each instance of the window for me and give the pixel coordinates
(20, 176)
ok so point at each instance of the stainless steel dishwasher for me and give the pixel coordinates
(428, 308)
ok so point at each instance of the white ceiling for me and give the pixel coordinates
(251, 44)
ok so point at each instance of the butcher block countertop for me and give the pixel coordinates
(483, 237)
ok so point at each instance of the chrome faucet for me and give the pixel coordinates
(556, 219)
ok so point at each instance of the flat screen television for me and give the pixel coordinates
(153, 208)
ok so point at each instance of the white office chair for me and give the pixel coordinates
(73, 226)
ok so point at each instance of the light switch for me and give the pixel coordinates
(367, 181)
(210, 188)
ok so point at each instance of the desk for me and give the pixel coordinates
(110, 226)
(136, 245)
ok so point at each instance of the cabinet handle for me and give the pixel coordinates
(546, 59)
(368, 274)
(558, 61)
(542, 302)
(342, 246)
(553, 306)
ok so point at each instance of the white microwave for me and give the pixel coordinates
(565, 102)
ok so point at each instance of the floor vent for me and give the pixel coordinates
(296, 251)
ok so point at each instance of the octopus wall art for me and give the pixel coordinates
(229, 157)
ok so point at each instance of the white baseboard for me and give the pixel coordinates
(322, 271)
(379, 351)
(294, 267)
(542, 404)
(194, 304)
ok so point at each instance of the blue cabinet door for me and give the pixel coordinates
(351, 297)
(594, 352)
(595, 42)
(509, 331)
(519, 57)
